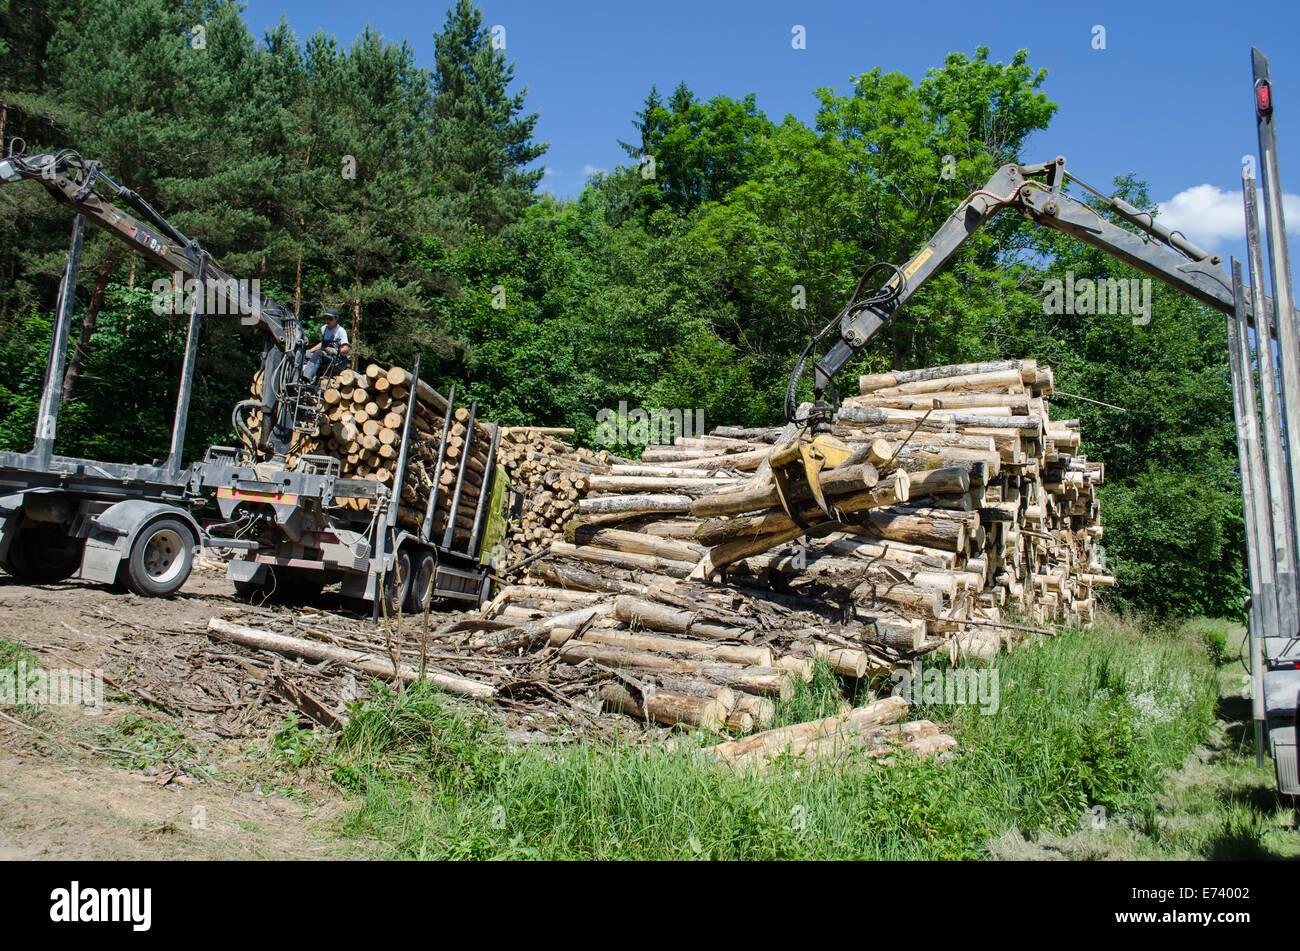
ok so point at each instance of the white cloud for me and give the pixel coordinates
(590, 170)
(1208, 215)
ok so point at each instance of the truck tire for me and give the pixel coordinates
(43, 553)
(160, 559)
(397, 584)
(417, 599)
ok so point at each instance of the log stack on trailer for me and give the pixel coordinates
(405, 501)
(362, 426)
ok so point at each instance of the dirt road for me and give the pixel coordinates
(172, 764)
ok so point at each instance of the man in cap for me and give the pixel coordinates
(333, 344)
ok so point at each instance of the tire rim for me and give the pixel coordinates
(399, 583)
(422, 580)
(164, 556)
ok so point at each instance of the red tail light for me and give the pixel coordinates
(1263, 97)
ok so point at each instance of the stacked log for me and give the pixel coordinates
(870, 731)
(1038, 528)
(363, 419)
(960, 527)
(965, 519)
(676, 652)
(1001, 499)
(553, 476)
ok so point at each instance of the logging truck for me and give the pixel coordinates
(1270, 472)
(425, 526)
(291, 520)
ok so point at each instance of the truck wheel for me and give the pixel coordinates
(43, 553)
(418, 597)
(161, 557)
(397, 584)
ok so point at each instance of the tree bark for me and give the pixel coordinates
(89, 324)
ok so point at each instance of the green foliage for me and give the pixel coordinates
(141, 742)
(1213, 635)
(693, 152)
(480, 137)
(688, 281)
(416, 734)
(1085, 720)
(821, 697)
(1174, 542)
(124, 411)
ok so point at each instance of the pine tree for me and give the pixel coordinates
(650, 123)
(370, 194)
(482, 140)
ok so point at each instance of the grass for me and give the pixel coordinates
(1089, 724)
(1220, 804)
(15, 661)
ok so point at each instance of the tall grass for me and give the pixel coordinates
(1087, 719)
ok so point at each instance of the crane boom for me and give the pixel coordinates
(87, 188)
(1037, 191)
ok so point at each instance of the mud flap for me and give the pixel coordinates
(1282, 740)
(11, 507)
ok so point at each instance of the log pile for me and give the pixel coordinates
(964, 525)
(553, 476)
(1031, 512)
(1002, 510)
(362, 425)
(681, 589)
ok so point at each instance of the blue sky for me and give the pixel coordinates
(1169, 97)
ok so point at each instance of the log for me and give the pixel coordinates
(950, 481)
(720, 531)
(833, 482)
(668, 708)
(662, 617)
(609, 556)
(967, 381)
(637, 483)
(374, 664)
(635, 504)
(793, 739)
(637, 542)
(764, 681)
(725, 653)
(879, 742)
(872, 382)
(948, 534)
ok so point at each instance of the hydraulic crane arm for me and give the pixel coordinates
(86, 188)
(1036, 191)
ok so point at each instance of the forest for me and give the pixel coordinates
(689, 278)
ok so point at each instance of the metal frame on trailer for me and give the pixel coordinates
(1270, 468)
(103, 505)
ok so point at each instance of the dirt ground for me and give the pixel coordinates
(144, 777)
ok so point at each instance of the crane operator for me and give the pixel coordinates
(333, 344)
